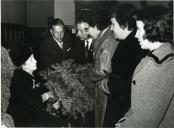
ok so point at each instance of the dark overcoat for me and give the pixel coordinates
(126, 57)
(25, 105)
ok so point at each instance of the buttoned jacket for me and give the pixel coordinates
(104, 47)
(152, 95)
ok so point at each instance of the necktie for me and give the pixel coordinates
(86, 48)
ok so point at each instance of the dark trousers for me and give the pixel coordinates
(115, 110)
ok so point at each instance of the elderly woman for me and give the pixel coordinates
(152, 96)
(27, 98)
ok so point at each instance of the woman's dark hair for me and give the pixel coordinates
(87, 17)
(91, 19)
(124, 15)
(158, 23)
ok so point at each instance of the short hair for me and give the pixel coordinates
(158, 23)
(124, 15)
(56, 21)
(89, 18)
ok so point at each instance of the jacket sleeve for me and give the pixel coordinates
(26, 93)
(156, 97)
(103, 62)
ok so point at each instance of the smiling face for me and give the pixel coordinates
(144, 43)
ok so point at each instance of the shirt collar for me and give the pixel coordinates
(89, 42)
(59, 43)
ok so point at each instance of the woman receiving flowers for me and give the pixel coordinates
(27, 102)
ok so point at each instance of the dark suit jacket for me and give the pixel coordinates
(51, 53)
(78, 52)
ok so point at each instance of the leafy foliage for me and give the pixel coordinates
(73, 88)
(7, 68)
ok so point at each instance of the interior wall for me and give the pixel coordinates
(34, 13)
(65, 9)
(13, 11)
(154, 2)
(38, 11)
(157, 2)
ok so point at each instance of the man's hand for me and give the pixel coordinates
(104, 85)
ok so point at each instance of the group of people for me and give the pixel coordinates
(132, 68)
(134, 73)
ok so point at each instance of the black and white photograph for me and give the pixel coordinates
(87, 63)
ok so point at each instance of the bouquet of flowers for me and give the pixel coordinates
(73, 89)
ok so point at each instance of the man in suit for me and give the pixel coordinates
(82, 48)
(55, 47)
(82, 53)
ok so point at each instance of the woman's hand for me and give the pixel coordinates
(56, 105)
(47, 95)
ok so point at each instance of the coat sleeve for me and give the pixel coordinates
(153, 98)
(103, 62)
(26, 93)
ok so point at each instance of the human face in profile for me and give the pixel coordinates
(144, 43)
(118, 31)
(30, 64)
(57, 32)
(82, 31)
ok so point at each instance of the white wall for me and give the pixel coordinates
(13, 11)
(65, 9)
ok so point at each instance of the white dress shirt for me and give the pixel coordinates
(89, 42)
(59, 43)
